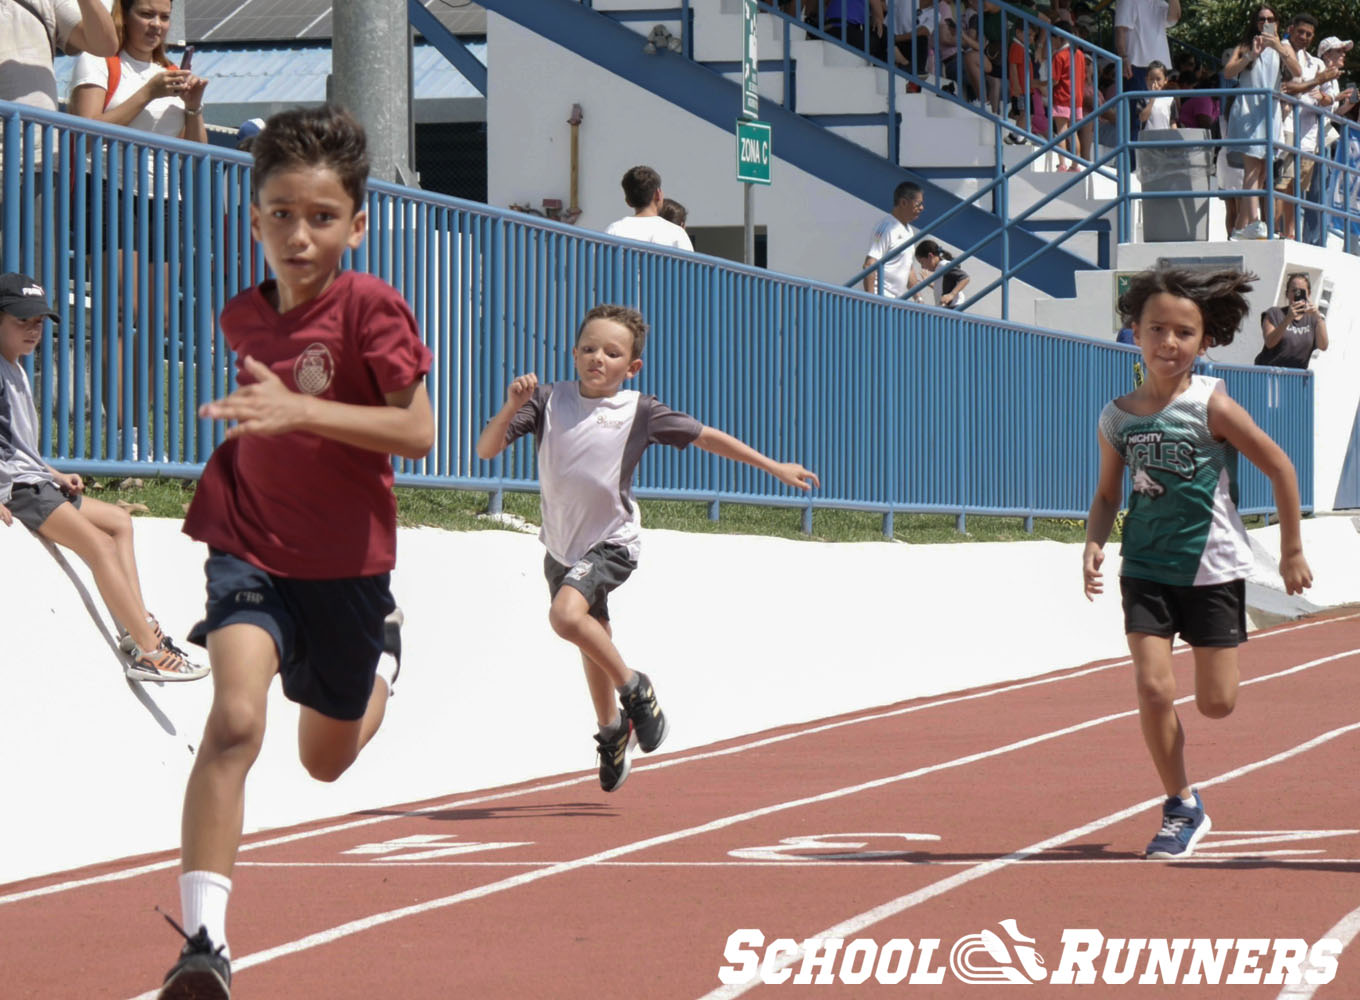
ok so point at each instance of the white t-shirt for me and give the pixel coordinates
(650, 229)
(1311, 66)
(588, 450)
(163, 116)
(890, 233)
(1160, 116)
(1147, 21)
(26, 44)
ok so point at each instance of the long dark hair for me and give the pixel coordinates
(1220, 295)
(1253, 26)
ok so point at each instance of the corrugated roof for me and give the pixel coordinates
(296, 20)
(298, 74)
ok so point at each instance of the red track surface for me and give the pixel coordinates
(1038, 792)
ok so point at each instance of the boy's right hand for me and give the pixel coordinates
(5, 515)
(521, 390)
(1091, 561)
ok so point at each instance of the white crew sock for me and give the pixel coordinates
(1192, 802)
(203, 903)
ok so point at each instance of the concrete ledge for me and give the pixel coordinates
(740, 634)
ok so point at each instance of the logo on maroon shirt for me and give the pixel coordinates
(314, 369)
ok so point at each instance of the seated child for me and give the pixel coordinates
(52, 503)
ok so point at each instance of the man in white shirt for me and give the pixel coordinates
(642, 191)
(32, 32)
(1307, 88)
(892, 231)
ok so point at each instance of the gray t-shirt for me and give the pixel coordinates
(588, 450)
(1295, 348)
(19, 458)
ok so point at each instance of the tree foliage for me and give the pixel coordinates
(1214, 25)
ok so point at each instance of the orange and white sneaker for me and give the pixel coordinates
(165, 663)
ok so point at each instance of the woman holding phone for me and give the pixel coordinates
(1256, 63)
(1292, 332)
(139, 88)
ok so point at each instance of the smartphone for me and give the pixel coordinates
(1298, 295)
(1269, 29)
(188, 57)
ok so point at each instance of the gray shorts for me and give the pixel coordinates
(595, 574)
(33, 503)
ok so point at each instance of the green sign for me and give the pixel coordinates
(753, 152)
(750, 90)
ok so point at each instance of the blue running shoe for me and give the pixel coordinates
(1182, 828)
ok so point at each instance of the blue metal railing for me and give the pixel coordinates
(899, 408)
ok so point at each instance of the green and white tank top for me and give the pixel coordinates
(1182, 527)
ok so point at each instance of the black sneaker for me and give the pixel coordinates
(649, 722)
(613, 754)
(392, 642)
(202, 972)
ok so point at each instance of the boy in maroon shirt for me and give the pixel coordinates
(296, 505)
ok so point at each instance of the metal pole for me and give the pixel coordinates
(748, 223)
(369, 46)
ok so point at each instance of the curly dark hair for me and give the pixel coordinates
(326, 136)
(624, 315)
(1220, 295)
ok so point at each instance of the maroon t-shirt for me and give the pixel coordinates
(297, 504)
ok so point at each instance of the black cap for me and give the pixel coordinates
(23, 297)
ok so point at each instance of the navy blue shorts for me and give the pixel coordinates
(328, 633)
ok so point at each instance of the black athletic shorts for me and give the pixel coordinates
(602, 569)
(1213, 615)
(328, 633)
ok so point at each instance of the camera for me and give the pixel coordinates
(1298, 295)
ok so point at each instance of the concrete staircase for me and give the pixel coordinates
(940, 139)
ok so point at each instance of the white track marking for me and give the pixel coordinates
(1226, 859)
(1345, 932)
(157, 866)
(378, 919)
(856, 924)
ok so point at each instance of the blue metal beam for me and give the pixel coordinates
(450, 46)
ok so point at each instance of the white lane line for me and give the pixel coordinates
(1344, 932)
(515, 881)
(856, 924)
(289, 838)
(1295, 857)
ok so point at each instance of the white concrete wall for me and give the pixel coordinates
(95, 765)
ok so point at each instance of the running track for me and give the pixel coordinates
(933, 819)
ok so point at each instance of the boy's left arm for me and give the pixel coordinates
(1229, 421)
(405, 426)
(725, 445)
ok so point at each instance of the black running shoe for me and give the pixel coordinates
(649, 722)
(613, 753)
(202, 972)
(392, 642)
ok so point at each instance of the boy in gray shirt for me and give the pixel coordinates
(590, 434)
(52, 504)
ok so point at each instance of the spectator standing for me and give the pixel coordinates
(1296, 172)
(642, 192)
(1256, 63)
(1067, 95)
(894, 231)
(674, 212)
(846, 20)
(1140, 39)
(31, 34)
(1292, 332)
(1157, 112)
